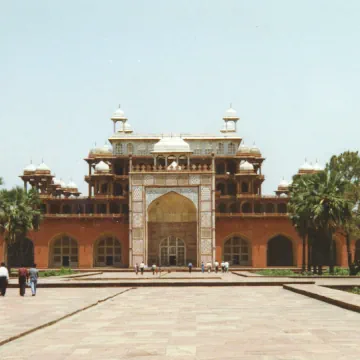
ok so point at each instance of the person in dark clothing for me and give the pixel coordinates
(23, 278)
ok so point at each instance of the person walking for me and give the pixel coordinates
(4, 279)
(142, 266)
(136, 268)
(216, 266)
(226, 266)
(23, 278)
(208, 266)
(222, 266)
(153, 268)
(190, 267)
(202, 267)
(33, 275)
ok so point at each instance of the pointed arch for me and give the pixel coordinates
(107, 251)
(280, 251)
(63, 251)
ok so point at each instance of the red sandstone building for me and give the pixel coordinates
(167, 200)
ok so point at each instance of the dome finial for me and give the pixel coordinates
(230, 105)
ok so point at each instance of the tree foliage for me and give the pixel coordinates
(19, 213)
(327, 202)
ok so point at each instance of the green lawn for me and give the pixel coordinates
(338, 271)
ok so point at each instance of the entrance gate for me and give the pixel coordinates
(172, 252)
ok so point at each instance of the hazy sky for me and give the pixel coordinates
(290, 68)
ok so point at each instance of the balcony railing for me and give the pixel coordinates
(76, 216)
(178, 168)
(254, 215)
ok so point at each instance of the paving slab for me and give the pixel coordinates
(336, 297)
(262, 323)
(22, 314)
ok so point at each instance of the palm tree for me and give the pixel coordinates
(347, 165)
(330, 209)
(299, 210)
(19, 214)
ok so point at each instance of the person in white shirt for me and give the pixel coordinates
(216, 266)
(226, 266)
(4, 279)
(223, 266)
(208, 265)
(142, 267)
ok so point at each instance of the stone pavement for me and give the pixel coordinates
(21, 314)
(219, 323)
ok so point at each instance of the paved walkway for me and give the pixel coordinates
(21, 314)
(249, 323)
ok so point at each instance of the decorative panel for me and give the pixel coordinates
(136, 180)
(206, 233)
(160, 180)
(206, 206)
(137, 207)
(137, 193)
(206, 179)
(148, 180)
(183, 180)
(137, 233)
(206, 246)
(205, 193)
(194, 179)
(137, 220)
(138, 246)
(171, 180)
(206, 219)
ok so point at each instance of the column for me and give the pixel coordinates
(130, 215)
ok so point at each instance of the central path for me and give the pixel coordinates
(249, 323)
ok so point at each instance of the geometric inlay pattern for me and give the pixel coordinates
(206, 219)
(205, 246)
(194, 179)
(205, 193)
(137, 193)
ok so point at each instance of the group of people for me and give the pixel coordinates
(142, 267)
(25, 277)
(224, 267)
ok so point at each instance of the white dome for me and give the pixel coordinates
(230, 114)
(255, 150)
(71, 185)
(102, 167)
(246, 166)
(63, 184)
(101, 150)
(56, 181)
(243, 149)
(283, 183)
(42, 167)
(306, 166)
(173, 166)
(118, 115)
(318, 167)
(171, 145)
(30, 168)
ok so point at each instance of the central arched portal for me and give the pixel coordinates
(172, 231)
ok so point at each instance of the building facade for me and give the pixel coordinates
(168, 200)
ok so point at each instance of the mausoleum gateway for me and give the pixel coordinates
(167, 200)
